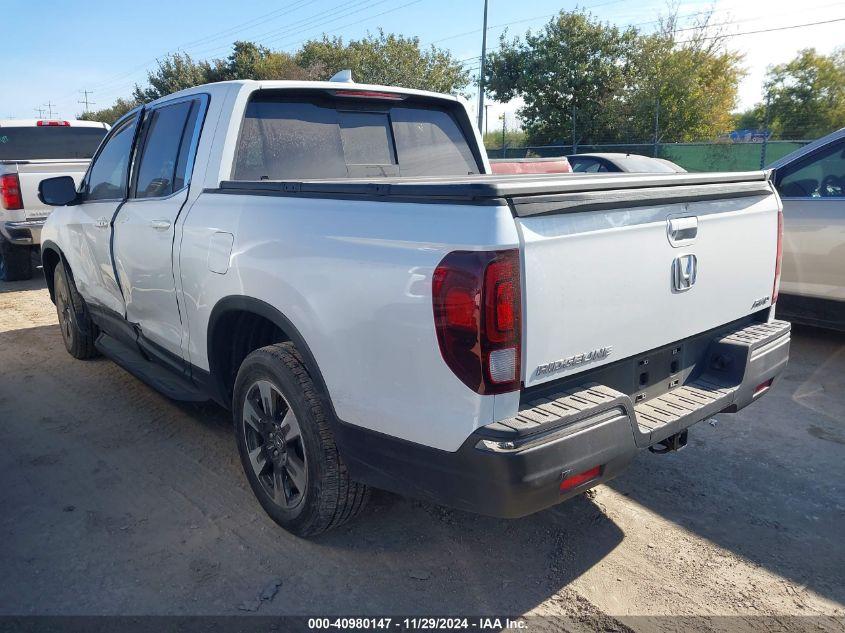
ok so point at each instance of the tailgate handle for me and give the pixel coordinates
(683, 230)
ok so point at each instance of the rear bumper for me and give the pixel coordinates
(515, 467)
(23, 232)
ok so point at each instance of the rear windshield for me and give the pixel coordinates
(318, 137)
(49, 142)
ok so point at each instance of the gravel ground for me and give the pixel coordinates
(116, 500)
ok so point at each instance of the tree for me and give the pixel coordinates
(753, 118)
(807, 95)
(575, 67)
(253, 61)
(175, 72)
(605, 85)
(386, 59)
(111, 114)
(690, 86)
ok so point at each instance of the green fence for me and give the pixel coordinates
(715, 156)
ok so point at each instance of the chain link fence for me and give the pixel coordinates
(706, 156)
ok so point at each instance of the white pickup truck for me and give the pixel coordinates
(30, 151)
(334, 262)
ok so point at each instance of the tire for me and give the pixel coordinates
(78, 331)
(15, 261)
(286, 446)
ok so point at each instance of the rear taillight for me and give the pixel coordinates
(53, 123)
(10, 192)
(478, 318)
(779, 260)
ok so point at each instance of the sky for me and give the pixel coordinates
(53, 50)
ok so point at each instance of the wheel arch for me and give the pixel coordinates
(238, 309)
(51, 255)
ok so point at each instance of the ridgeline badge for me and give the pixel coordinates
(574, 361)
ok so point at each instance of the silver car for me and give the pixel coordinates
(811, 183)
(615, 162)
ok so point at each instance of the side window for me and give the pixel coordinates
(823, 176)
(163, 158)
(586, 165)
(108, 175)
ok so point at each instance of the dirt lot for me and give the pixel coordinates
(115, 500)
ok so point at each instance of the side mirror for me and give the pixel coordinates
(57, 192)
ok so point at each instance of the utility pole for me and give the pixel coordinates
(49, 105)
(503, 134)
(40, 112)
(765, 131)
(656, 126)
(486, 116)
(574, 140)
(481, 72)
(85, 100)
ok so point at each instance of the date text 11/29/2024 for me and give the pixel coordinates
(419, 623)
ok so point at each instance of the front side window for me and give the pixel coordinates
(108, 175)
(822, 176)
(158, 172)
(298, 138)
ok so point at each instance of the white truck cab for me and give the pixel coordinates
(30, 151)
(336, 264)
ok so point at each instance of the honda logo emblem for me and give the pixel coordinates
(684, 270)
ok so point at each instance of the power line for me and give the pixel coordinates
(88, 103)
(331, 14)
(522, 21)
(370, 17)
(285, 36)
(771, 30)
(243, 26)
(476, 65)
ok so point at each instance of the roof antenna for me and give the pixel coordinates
(343, 76)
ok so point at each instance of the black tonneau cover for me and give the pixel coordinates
(527, 194)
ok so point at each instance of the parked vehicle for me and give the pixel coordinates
(30, 151)
(630, 163)
(554, 165)
(333, 262)
(811, 183)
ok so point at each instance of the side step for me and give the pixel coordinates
(160, 379)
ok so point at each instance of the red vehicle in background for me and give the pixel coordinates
(554, 165)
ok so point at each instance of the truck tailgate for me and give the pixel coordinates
(612, 273)
(31, 173)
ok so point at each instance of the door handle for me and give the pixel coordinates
(683, 229)
(160, 225)
(101, 223)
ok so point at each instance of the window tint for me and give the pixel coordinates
(183, 167)
(165, 129)
(823, 176)
(107, 178)
(586, 165)
(366, 138)
(430, 143)
(293, 139)
(49, 142)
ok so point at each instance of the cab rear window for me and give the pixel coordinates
(286, 138)
(49, 142)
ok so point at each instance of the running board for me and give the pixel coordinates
(162, 380)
